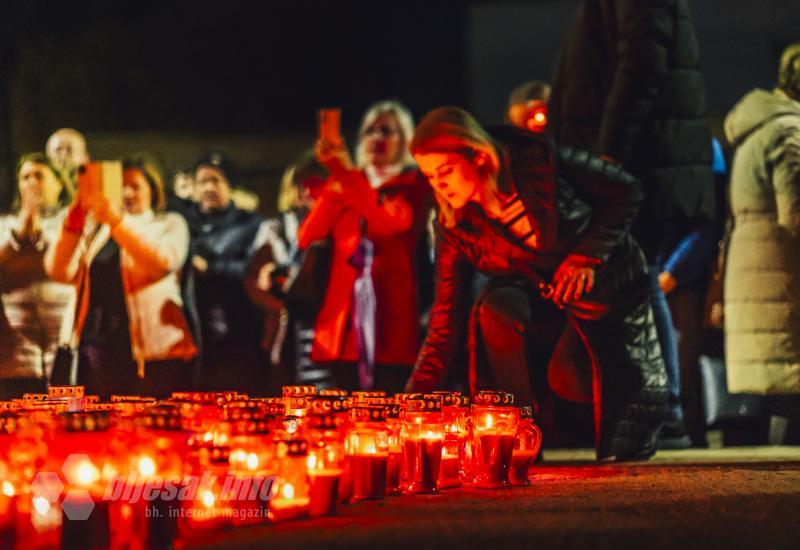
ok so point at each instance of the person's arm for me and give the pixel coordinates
(691, 258)
(644, 30)
(613, 194)
(784, 158)
(61, 261)
(161, 255)
(448, 317)
(319, 222)
(389, 216)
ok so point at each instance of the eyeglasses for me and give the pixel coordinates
(383, 130)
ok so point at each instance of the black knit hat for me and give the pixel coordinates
(221, 163)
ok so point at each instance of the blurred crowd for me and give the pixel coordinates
(356, 283)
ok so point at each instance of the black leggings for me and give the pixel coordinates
(522, 336)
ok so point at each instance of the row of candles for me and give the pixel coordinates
(155, 473)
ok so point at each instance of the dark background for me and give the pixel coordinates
(181, 78)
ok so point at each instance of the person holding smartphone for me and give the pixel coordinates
(128, 328)
(374, 213)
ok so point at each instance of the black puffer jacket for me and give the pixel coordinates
(585, 208)
(628, 86)
(226, 239)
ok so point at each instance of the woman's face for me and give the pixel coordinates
(451, 175)
(137, 196)
(38, 186)
(382, 141)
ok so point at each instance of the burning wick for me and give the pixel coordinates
(146, 466)
(288, 490)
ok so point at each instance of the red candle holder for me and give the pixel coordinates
(423, 439)
(526, 448)
(494, 420)
(455, 464)
(297, 399)
(291, 497)
(368, 451)
(327, 460)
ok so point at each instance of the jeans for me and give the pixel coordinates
(669, 345)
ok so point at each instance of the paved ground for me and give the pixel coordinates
(717, 499)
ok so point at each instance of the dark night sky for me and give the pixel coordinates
(225, 67)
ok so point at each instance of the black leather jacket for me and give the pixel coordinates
(579, 205)
(226, 240)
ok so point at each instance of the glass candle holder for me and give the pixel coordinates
(297, 399)
(494, 423)
(81, 447)
(251, 461)
(526, 448)
(327, 460)
(291, 498)
(455, 464)
(368, 451)
(423, 440)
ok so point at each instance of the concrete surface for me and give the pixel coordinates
(717, 499)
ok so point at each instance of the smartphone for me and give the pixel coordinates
(102, 177)
(330, 125)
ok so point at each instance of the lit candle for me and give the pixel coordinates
(324, 486)
(526, 447)
(495, 421)
(423, 438)
(292, 497)
(285, 505)
(368, 445)
(455, 466)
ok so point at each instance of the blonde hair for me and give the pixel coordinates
(405, 121)
(453, 130)
(299, 171)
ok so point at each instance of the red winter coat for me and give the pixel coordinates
(396, 216)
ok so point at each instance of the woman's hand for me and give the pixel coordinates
(29, 212)
(333, 156)
(573, 278)
(103, 209)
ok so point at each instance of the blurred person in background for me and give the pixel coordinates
(527, 106)
(128, 325)
(375, 214)
(66, 148)
(685, 280)
(223, 240)
(628, 88)
(288, 329)
(762, 273)
(32, 308)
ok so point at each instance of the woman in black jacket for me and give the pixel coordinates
(551, 230)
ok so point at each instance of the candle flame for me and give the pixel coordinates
(238, 456)
(146, 466)
(489, 420)
(288, 490)
(252, 461)
(208, 498)
(41, 505)
(86, 473)
(208, 436)
(8, 488)
(311, 461)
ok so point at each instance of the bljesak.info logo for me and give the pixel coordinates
(80, 486)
